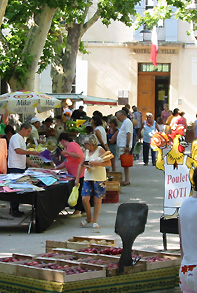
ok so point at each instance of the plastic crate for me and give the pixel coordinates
(111, 197)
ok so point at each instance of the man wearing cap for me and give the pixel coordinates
(34, 136)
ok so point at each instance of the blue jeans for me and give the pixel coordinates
(146, 147)
(14, 205)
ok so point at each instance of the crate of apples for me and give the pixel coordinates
(155, 260)
(59, 270)
(102, 250)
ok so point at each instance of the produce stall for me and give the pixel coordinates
(45, 206)
(90, 269)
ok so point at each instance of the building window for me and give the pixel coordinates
(149, 67)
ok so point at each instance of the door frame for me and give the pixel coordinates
(151, 73)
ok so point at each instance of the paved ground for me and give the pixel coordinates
(147, 186)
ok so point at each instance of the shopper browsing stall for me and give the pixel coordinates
(17, 159)
(34, 135)
(74, 156)
(94, 179)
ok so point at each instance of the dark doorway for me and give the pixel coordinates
(161, 93)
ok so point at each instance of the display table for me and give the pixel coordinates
(46, 205)
(160, 279)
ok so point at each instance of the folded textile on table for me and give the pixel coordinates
(48, 180)
(27, 187)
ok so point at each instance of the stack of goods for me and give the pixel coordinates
(78, 242)
(94, 261)
(112, 192)
(34, 179)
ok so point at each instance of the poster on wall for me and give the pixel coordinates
(176, 165)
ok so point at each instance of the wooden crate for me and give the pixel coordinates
(22, 256)
(116, 176)
(8, 268)
(112, 186)
(59, 253)
(58, 275)
(88, 257)
(100, 246)
(50, 244)
(78, 242)
(168, 259)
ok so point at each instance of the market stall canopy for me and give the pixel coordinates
(88, 100)
(24, 102)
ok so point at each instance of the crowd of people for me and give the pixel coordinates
(118, 134)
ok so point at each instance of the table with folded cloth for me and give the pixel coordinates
(46, 205)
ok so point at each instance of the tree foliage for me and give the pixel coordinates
(165, 10)
(22, 17)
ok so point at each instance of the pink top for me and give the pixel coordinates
(165, 116)
(72, 164)
(178, 120)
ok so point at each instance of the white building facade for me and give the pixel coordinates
(119, 67)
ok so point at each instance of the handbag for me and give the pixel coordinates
(73, 198)
(126, 160)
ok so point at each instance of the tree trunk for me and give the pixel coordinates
(57, 78)
(64, 74)
(33, 47)
(3, 5)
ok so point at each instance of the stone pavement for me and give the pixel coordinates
(147, 186)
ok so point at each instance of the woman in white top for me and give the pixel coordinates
(100, 132)
(94, 179)
(188, 241)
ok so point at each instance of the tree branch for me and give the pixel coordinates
(90, 22)
(4, 42)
